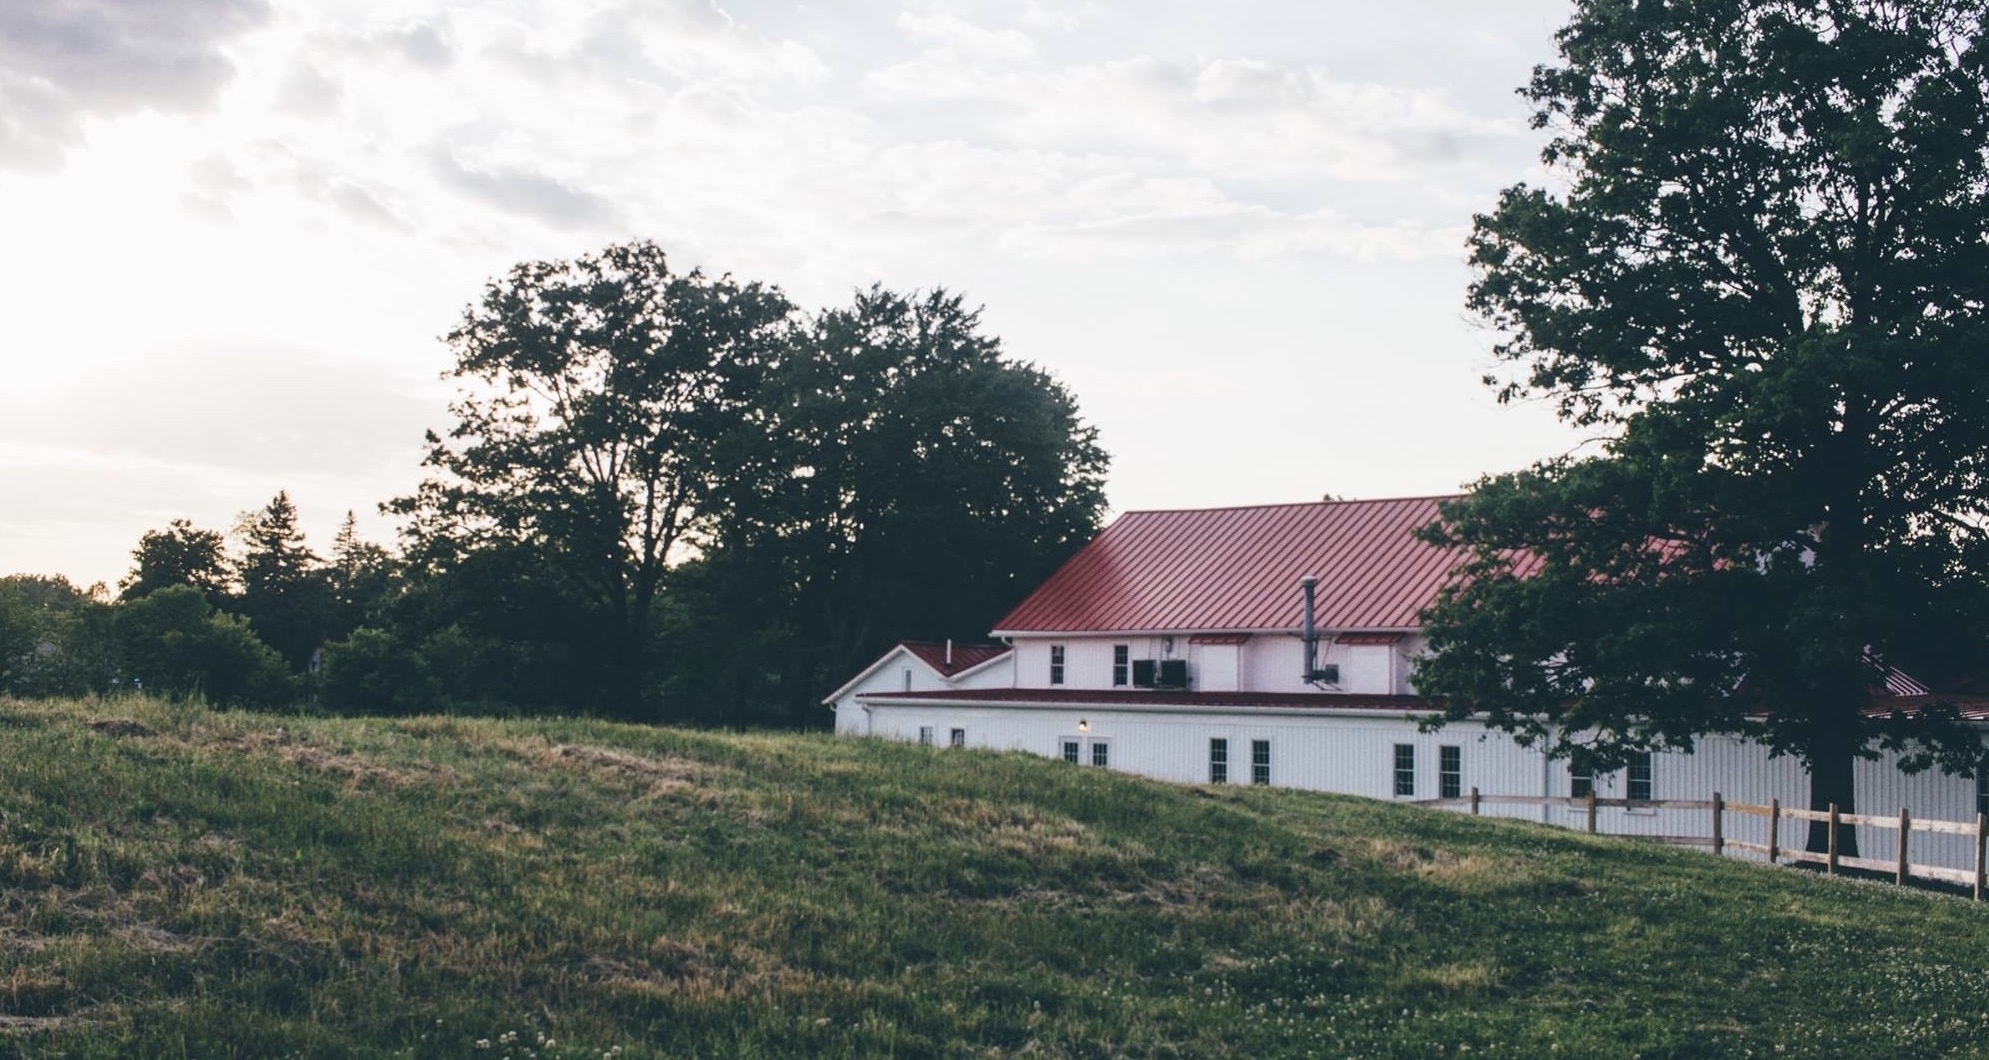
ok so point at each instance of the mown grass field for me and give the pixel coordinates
(181, 882)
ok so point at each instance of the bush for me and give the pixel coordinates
(176, 643)
(372, 672)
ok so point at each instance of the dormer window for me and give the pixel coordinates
(1056, 664)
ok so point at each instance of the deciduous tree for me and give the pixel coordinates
(598, 395)
(1761, 276)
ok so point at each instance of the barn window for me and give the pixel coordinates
(1218, 761)
(1056, 664)
(1982, 789)
(1450, 772)
(1260, 761)
(925, 735)
(958, 738)
(1101, 753)
(1581, 777)
(1122, 663)
(908, 679)
(1405, 769)
(1071, 748)
(1640, 777)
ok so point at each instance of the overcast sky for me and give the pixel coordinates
(233, 229)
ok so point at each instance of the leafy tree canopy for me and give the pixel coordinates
(599, 397)
(181, 554)
(913, 482)
(1762, 280)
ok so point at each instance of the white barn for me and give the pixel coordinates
(1174, 646)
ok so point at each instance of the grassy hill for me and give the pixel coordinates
(175, 881)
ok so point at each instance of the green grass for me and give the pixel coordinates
(230, 884)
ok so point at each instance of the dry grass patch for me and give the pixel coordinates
(662, 775)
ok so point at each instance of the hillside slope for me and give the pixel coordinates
(182, 882)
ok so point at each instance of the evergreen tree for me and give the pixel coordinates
(286, 595)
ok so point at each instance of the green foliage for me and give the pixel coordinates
(909, 481)
(181, 554)
(54, 638)
(1765, 284)
(600, 392)
(175, 643)
(188, 882)
(372, 672)
(674, 494)
(286, 595)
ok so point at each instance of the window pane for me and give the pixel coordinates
(1982, 790)
(1122, 655)
(1070, 751)
(925, 735)
(1056, 664)
(1405, 769)
(1101, 754)
(1581, 779)
(1450, 772)
(959, 738)
(1260, 761)
(1640, 776)
(1218, 761)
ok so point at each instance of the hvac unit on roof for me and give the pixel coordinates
(1173, 674)
(1145, 673)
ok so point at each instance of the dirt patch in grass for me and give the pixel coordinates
(337, 762)
(124, 727)
(661, 774)
(34, 1024)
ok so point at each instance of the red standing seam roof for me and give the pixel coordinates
(1238, 569)
(965, 656)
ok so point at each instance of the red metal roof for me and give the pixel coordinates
(965, 656)
(1238, 569)
(1098, 697)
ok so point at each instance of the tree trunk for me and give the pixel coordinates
(1831, 781)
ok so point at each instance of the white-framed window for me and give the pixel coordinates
(1101, 753)
(1450, 772)
(1218, 761)
(957, 738)
(1405, 770)
(1260, 761)
(908, 679)
(1122, 664)
(1639, 787)
(1056, 664)
(1073, 750)
(1581, 777)
(925, 735)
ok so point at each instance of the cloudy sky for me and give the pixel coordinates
(234, 229)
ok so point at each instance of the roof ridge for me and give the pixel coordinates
(1294, 504)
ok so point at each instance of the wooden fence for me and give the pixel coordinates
(1900, 866)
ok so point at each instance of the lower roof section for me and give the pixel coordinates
(1146, 697)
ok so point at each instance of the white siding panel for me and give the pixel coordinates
(1355, 755)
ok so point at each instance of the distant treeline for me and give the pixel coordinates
(665, 496)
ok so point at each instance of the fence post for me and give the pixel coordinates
(1719, 832)
(1905, 830)
(1774, 831)
(1591, 811)
(1981, 852)
(1474, 800)
(1830, 866)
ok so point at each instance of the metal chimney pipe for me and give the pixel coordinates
(1310, 632)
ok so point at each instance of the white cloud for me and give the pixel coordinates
(63, 60)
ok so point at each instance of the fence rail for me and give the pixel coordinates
(1900, 866)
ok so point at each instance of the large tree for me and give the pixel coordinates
(600, 399)
(911, 480)
(286, 593)
(1760, 275)
(181, 554)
